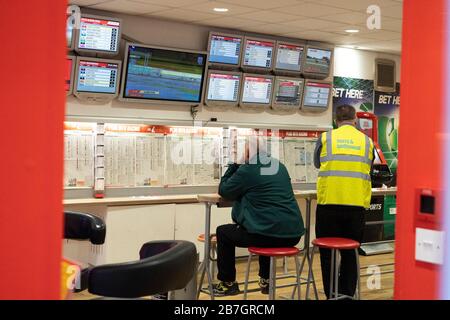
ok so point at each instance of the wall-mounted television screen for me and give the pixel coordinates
(289, 57)
(97, 79)
(98, 34)
(258, 54)
(318, 61)
(223, 88)
(316, 95)
(70, 67)
(287, 93)
(256, 90)
(152, 73)
(224, 49)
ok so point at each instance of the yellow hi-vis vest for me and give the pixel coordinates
(345, 163)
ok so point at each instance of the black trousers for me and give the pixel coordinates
(230, 236)
(344, 222)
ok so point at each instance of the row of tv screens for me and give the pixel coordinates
(259, 91)
(254, 54)
(101, 35)
(168, 75)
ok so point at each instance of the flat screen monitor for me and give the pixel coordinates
(258, 54)
(70, 67)
(98, 35)
(287, 93)
(153, 74)
(385, 80)
(97, 79)
(289, 57)
(316, 95)
(224, 49)
(318, 61)
(223, 88)
(256, 90)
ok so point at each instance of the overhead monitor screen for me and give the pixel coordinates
(317, 61)
(289, 57)
(258, 53)
(288, 92)
(97, 77)
(225, 49)
(68, 77)
(99, 35)
(223, 87)
(316, 94)
(257, 90)
(163, 74)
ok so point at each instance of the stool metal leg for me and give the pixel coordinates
(272, 278)
(213, 261)
(247, 274)
(310, 275)
(297, 271)
(285, 265)
(332, 274)
(336, 274)
(358, 296)
(202, 267)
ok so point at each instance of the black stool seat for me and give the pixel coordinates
(164, 266)
(84, 226)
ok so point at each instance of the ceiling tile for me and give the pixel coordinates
(172, 3)
(382, 35)
(268, 16)
(86, 2)
(127, 6)
(229, 22)
(382, 46)
(347, 17)
(310, 35)
(313, 24)
(260, 4)
(356, 5)
(270, 28)
(391, 24)
(349, 39)
(392, 12)
(310, 10)
(182, 15)
(208, 7)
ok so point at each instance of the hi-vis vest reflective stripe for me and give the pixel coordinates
(345, 162)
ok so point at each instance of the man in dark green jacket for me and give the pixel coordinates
(265, 212)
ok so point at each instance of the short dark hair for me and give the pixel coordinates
(345, 112)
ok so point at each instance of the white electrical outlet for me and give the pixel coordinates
(429, 246)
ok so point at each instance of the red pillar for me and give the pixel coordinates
(420, 145)
(32, 60)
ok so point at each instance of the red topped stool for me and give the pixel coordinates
(335, 244)
(273, 253)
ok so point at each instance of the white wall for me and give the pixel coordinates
(360, 64)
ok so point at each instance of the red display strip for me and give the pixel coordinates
(255, 79)
(318, 84)
(100, 22)
(260, 43)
